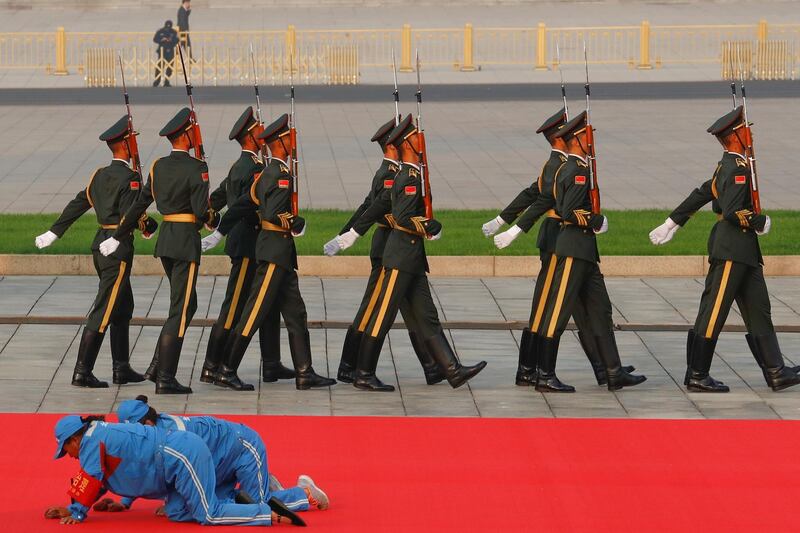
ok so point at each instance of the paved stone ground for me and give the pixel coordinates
(36, 361)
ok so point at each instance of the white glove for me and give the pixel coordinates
(109, 246)
(46, 239)
(603, 226)
(348, 239)
(664, 233)
(210, 241)
(491, 227)
(332, 247)
(301, 232)
(507, 237)
(767, 226)
(435, 237)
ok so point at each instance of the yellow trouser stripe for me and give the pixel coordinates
(113, 298)
(726, 273)
(187, 297)
(385, 303)
(261, 293)
(372, 301)
(237, 291)
(548, 281)
(562, 288)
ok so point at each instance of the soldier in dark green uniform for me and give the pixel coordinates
(373, 210)
(404, 276)
(111, 190)
(240, 246)
(537, 201)
(736, 271)
(178, 183)
(577, 279)
(275, 285)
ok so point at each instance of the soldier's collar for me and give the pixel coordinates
(565, 154)
(183, 151)
(737, 154)
(391, 161)
(273, 158)
(406, 163)
(126, 163)
(250, 152)
(576, 156)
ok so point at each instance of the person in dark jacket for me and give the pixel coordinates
(183, 24)
(167, 39)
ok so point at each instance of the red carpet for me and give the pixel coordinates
(433, 474)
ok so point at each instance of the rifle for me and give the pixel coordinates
(294, 164)
(261, 149)
(594, 191)
(563, 88)
(133, 145)
(396, 93)
(423, 150)
(748, 141)
(199, 152)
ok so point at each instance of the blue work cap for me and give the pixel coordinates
(65, 428)
(132, 411)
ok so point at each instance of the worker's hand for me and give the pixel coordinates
(348, 239)
(160, 511)
(107, 505)
(492, 227)
(211, 241)
(45, 239)
(664, 233)
(109, 246)
(332, 247)
(507, 237)
(767, 226)
(56, 512)
(603, 227)
(68, 520)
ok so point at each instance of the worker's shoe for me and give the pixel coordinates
(274, 483)
(284, 513)
(777, 375)
(433, 374)
(455, 373)
(368, 354)
(87, 355)
(546, 379)
(617, 377)
(120, 356)
(305, 378)
(702, 352)
(316, 497)
(526, 366)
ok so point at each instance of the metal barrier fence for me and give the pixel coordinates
(643, 46)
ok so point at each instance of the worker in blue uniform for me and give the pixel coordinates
(140, 461)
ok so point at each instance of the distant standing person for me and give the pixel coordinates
(183, 23)
(167, 39)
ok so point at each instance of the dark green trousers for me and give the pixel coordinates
(274, 291)
(182, 277)
(411, 292)
(114, 301)
(729, 281)
(577, 285)
(541, 291)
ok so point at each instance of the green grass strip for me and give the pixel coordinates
(462, 234)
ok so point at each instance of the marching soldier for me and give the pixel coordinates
(373, 210)
(111, 190)
(577, 279)
(736, 266)
(539, 201)
(275, 285)
(405, 274)
(240, 247)
(178, 183)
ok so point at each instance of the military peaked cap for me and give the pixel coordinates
(553, 122)
(276, 129)
(383, 132)
(119, 129)
(245, 122)
(572, 127)
(727, 123)
(178, 123)
(403, 130)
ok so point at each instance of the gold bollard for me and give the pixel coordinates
(467, 64)
(541, 47)
(644, 46)
(61, 52)
(405, 49)
(762, 30)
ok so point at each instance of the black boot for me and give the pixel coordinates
(215, 351)
(546, 379)
(526, 367)
(368, 354)
(227, 376)
(455, 373)
(87, 355)
(702, 353)
(347, 364)
(760, 360)
(617, 376)
(592, 354)
(151, 374)
(306, 378)
(169, 354)
(776, 373)
(120, 356)
(689, 348)
(269, 342)
(433, 374)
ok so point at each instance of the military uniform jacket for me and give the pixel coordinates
(571, 191)
(241, 240)
(375, 207)
(405, 248)
(178, 183)
(733, 237)
(543, 204)
(111, 191)
(270, 196)
(696, 199)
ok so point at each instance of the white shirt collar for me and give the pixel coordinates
(560, 152)
(177, 150)
(411, 165)
(737, 154)
(579, 157)
(127, 163)
(250, 152)
(391, 161)
(273, 158)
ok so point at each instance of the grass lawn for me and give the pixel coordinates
(462, 234)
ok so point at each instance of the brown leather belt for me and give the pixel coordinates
(720, 217)
(398, 227)
(382, 225)
(109, 226)
(181, 217)
(269, 226)
(551, 213)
